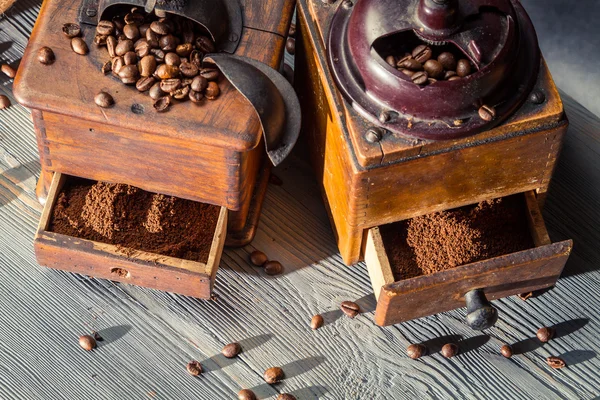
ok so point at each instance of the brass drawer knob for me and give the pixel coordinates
(480, 313)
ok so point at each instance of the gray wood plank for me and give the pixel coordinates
(151, 335)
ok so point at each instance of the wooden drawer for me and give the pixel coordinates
(136, 267)
(520, 272)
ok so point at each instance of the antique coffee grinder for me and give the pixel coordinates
(417, 106)
(212, 152)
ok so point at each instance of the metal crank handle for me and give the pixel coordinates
(480, 313)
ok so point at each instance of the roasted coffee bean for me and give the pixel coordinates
(196, 97)
(145, 83)
(290, 45)
(350, 308)
(152, 36)
(447, 60)
(79, 46)
(134, 18)
(316, 322)
(156, 92)
(168, 43)
(407, 72)
(131, 32)
(143, 29)
(106, 67)
(415, 351)
(292, 30)
(100, 40)
(273, 375)
(231, 350)
(4, 102)
(119, 24)
(431, 80)
(117, 64)
(525, 296)
(246, 394)
(162, 104)
(105, 28)
(271, 267)
(142, 48)
(129, 74)
(410, 63)
(434, 69)
(170, 24)
(87, 342)
(184, 50)
(211, 74)
(463, 68)
(194, 368)
(257, 257)
(120, 37)
(422, 53)
(186, 82)
(506, 351)
(111, 46)
(545, 334)
(158, 54)
(147, 66)
(556, 362)
(205, 44)
(449, 350)
(196, 58)
(159, 28)
(169, 85)
(188, 70)
(124, 46)
(8, 71)
(487, 113)
(104, 100)
(46, 56)
(449, 74)
(71, 30)
(172, 59)
(165, 71)
(181, 94)
(391, 60)
(286, 396)
(130, 58)
(454, 78)
(420, 78)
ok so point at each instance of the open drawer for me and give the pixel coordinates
(401, 300)
(108, 261)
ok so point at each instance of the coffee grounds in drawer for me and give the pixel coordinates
(447, 239)
(132, 218)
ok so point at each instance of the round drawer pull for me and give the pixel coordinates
(480, 313)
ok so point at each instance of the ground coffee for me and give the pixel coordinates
(448, 239)
(133, 218)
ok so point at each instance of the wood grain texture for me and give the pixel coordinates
(151, 335)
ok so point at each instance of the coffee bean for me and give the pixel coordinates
(8, 71)
(134, 18)
(46, 56)
(194, 368)
(271, 267)
(196, 58)
(506, 351)
(100, 40)
(117, 64)
(172, 59)
(205, 44)
(463, 68)
(434, 69)
(168, 43)
(152, 36)
(169, 85)
(130, 58)
(487, 113)
(184, 50)
(545, 334)
(104, 100)
(129, 74)
(105, 28)
(188, 70)
(156, 92)
(556, 362)
(142, 48)
(181, 94)
(79, 46)
(143, 29)
(454, 78)
(286, 396)
(231, 350)
(415, 351)
(316, 322)
(350, 308)
(407, 72)
(449, 350)
(420, 78)
(196, 97)
(147, 66)
(124, 46)
(422, 53)
(158, 54)
(159, 28)
(290, 45)
(111, 46)
(4, 102)
(410, 63)
(525, 296)
(211, 74)
(257, 257)
(246, 394)
(145, 83)
(292, 30)
(131, 32)
(449, 74)
(71, 30)
(273, 375)
(165, 71)
(447, 60)
(162, 104)
(119, 24)
(87, 342)
(391, 60)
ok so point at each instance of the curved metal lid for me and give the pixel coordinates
(496, 36)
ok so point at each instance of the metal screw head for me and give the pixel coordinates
(91, 12)
(373, 135)
(537, 97)
(347, 4)
(384, 116)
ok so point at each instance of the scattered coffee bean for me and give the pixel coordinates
(257, 257)
(145, 83)
(419, 78)
(46, 56)
(4, 102)
(316, 322)
(142, 48)
(211, 74)
(117, 64)
(350, 308)
(156, 92)
(231, 350)
(273, 375)
(105, 27)
(545, 334)
(290, 45)
(434, 69)
(111, 46)
(415, 351)
(134, 18)
(212, 91)
(525, 296)
(463, 68)
(71, 30)
(286, 396)
(181, 94)
(104, 100)
(106, 67)
(246, 394)
(100, 40)
(487, 113)
(87, 342)
(556, 362)
(449, 350)
(124, 46)
(422, 53)
(170, 85)
(506, 351)
(129, 74)
(447, 60)
(199, 84)
(8, 70)
(194, 368)
(271, 267)
(162, 104)
(147, 66)
(196, 97)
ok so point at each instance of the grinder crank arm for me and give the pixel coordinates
(272, 97)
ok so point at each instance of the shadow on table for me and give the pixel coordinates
(219, 361)
(9, 191)
(561, 329)
(309, 393)
(112, 334)
(473, 343)
(575, 357)
(435, 345)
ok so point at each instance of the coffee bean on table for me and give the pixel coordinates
(286, 396)
(420, 78)
(162, 104)
(506, 351)
(231, 350)
(111, 46)
(117, 64)
(449, 350)
(46, 56)
(124, 46)
(87, 342)
(257, 257)
(129, 74)
(246, 394)
(194, 368)
(487, 113)
(189, 70)
(447, 60)
(556, 362)
(156, 92)
(71, 30)
(145, 83)
(131, 32)
(4, 102)
(147, 66)
(350, 308)
(79, 46)
(463, 68)
(181, 94)
(199, 84)
(545, 334)
(8, 70)
(316, 322)
(273, 375)
(100, 40)
(434, 69)
(422, 53)
(415, 351)
(130, 58)
(290, 45)
(212, 91)
(196, 97)
(271, 267)
(105, 27)
(169, 85)
(104, 100)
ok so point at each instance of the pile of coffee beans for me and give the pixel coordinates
(426, 64)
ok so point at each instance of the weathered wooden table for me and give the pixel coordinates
(151, 335)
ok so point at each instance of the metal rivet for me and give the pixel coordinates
(384, 116)
(233, 37)
(347, 4)
(373, 135)
(91, 12)
(537, 97)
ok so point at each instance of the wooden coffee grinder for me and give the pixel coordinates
(388, 145)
